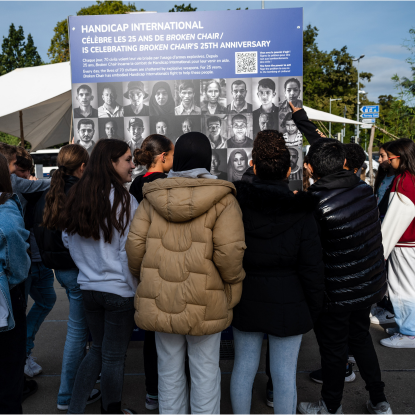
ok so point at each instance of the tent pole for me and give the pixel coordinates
(21, 129)
(372, 138)
(70, 130)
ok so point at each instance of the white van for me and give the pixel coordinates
(47, 158)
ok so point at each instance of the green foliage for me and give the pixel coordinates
(12, 140)
(183, 8)
(16, 53)
(59, 45)
(330, 75)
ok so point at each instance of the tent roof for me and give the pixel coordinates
(43, 94)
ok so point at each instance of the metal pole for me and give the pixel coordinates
(358, 100)
(330, 121)
(372, 138)
(263, 4)
(21, 129)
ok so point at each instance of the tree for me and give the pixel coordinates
(330, 75)
(12, 140)
(183, 8)
(16, 53)
(59, 45)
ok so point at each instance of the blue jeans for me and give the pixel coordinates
(110, 319)
(76, 336)
(39, 285)
(283, 364)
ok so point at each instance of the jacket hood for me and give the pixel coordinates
(269, 207)
(341, 179)
(180, 199)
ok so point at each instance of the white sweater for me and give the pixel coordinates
(103, 266)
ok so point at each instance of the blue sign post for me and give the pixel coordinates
(368, 109)
(373, 115)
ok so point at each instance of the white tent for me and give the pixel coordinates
(43, 94)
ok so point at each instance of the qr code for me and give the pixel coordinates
(246, 62)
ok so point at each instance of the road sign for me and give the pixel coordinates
(368, 109)
(375, 115)
(369, 121)
(366, 126)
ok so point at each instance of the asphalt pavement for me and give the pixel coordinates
(397, 365)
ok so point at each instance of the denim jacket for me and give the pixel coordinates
(14, 260)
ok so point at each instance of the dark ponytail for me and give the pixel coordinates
(70, 158)
(5, 183)
(152, 146)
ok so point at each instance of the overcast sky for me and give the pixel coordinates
(375, 29)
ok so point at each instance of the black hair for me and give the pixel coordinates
(87, 87)
(381, 173)
(238, 82)
(355, 156)
(288, 117)
(405, 149)
(153, 146)
(186, 85)
(86, 121)
(267, 83)
(214, 118)
(326, 156)
(292, 80)
(270, 155)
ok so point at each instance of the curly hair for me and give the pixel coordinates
(270, 155)
(355, 156)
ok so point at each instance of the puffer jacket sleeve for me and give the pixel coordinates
(310, 267)
(229, 241)
(137, 237)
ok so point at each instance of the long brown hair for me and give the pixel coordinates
(70, 158)
(5, 183)
(88, 209)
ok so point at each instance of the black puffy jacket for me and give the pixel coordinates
(284, 284)
(53, 252)
(347, 213)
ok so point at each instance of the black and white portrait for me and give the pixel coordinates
(296, 163)
(86, 133)
(264, 122)
(185, 124)
(292, 136)
(290, 90)
(215, 128)
(135, 98)
(240, 131)
(187, 97)
(111, 128)
(238, 163)
(165, 126)
(218, 165)
(239, 96)
(213, 96)
(161, 99)
(136, 129)
(109, 96)
(84, 97)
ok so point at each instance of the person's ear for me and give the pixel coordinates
(82, 168)
(288, 172)
(92, 97)
(274, 94)
(251, 163)
(355, 170)
(344, 165)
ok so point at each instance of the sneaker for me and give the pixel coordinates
(30, 387)
(99, 379)
(380, 408)
(152, 402)
(270, 398)
(315, 408)
(380, 315)
(392, 330)
(93, 397)
(31, 368)
(317, 375)
(399, 341)
(351, 359)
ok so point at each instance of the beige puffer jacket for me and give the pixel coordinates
(186, 245)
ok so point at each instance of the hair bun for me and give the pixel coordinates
(142, 157)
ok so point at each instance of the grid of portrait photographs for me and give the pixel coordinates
(230, 112)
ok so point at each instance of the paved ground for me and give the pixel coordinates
(398, 371)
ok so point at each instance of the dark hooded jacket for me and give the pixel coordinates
(53, 252)
(284, 285)
(348, 217)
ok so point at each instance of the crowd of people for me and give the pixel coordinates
(185, 255)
